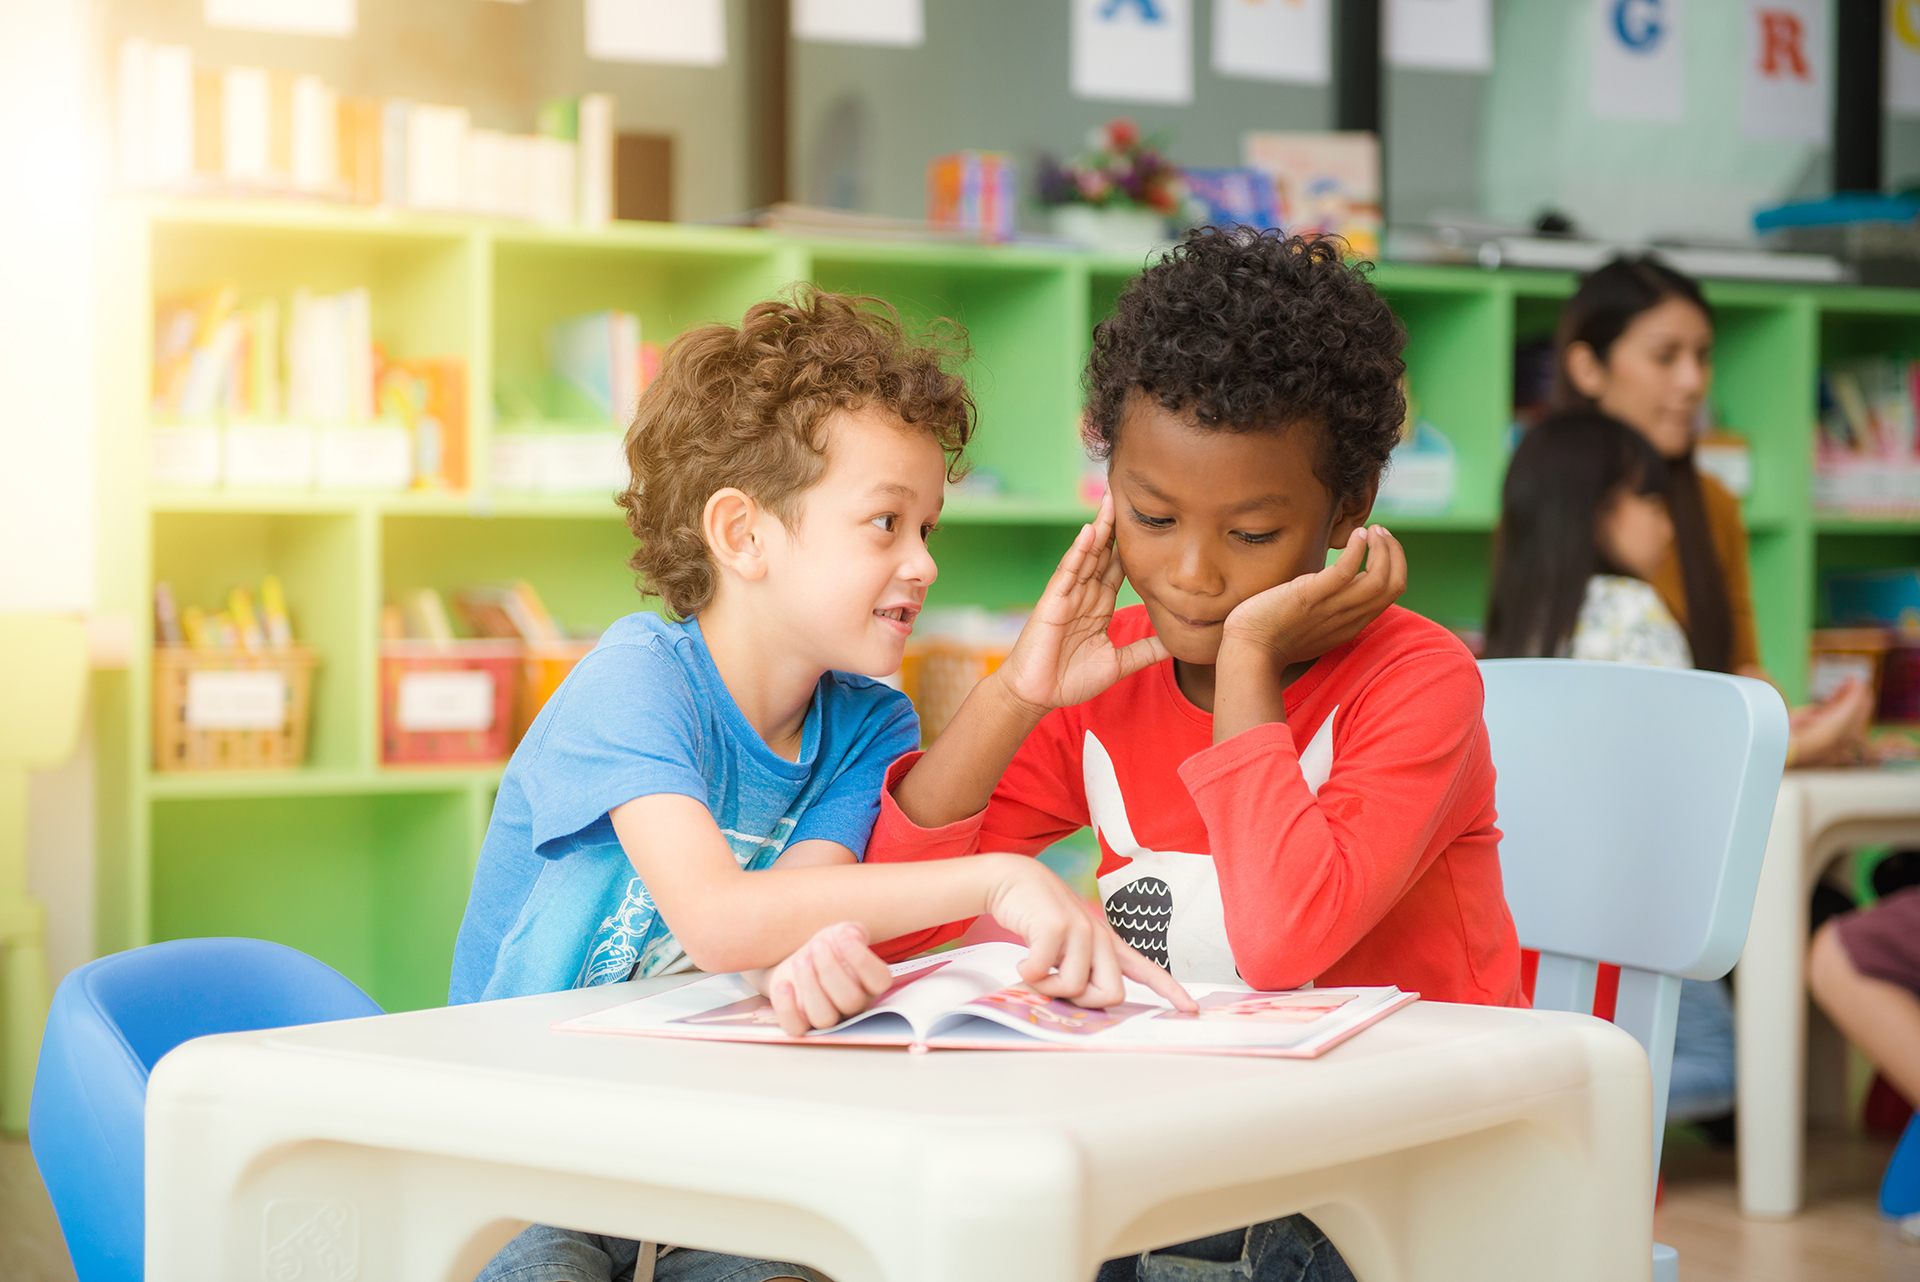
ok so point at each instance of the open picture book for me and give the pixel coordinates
(973, 999)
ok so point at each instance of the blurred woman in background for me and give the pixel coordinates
(1636, 342)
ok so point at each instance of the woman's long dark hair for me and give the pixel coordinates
(1563, 476)
(1607, 301)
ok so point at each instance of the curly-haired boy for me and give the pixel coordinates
(1288, 775)
(697, 792)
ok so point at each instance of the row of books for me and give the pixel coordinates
(256, 130)
(239, 399)
(1868, 460)
(503, 612)
(241, 626)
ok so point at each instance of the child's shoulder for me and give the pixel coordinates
(1401, 642)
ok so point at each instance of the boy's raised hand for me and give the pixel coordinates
(1304, 618)
(1063, 656)
(832, 976)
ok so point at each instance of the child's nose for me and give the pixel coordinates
(1193, 570)
(920, 566)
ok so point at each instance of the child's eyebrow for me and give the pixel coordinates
(1137, 481)
(899, 489)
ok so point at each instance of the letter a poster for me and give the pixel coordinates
(1637, 70)
(1133, 50)
(1783, 76)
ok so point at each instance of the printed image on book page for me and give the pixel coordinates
(973, 999)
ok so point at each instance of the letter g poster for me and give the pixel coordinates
(1637, 70)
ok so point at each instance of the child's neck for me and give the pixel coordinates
(772, 686)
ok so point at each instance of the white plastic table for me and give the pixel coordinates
(1819, 816)
(1446, 1142)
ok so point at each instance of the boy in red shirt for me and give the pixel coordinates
(1288, 775)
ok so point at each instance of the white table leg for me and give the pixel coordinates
(1770, 1021)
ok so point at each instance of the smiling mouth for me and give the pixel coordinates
(1198, 623)
(901, 614)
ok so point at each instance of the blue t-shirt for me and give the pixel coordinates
(555, 902)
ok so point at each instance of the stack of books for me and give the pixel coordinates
(1867, 460)
(255, 131)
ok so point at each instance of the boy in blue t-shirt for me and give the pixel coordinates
(698, 794)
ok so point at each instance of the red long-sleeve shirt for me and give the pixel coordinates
(1353, 845)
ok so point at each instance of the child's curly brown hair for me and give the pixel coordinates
(1255, 331)
(747, 408)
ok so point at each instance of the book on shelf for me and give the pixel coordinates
(509, 612)
(596, 361)
(974, 999)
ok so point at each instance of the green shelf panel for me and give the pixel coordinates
(321, 561)
(1884, 548)
(671, 288)
(1831, 523)
(578, 567)
(1459, 368)
(372, 884)
(1024, 321)
(419, 277)
(314, 782)
(1448, 575)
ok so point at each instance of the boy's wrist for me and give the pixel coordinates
(1010, 703)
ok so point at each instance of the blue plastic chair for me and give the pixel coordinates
(1634, 806)
(110, 1023)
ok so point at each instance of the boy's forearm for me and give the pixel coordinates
(1249, 690)
(754, 920)
(956, 777)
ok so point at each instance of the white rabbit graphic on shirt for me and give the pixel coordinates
(1167, 902)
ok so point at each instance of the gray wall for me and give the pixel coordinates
(992, 75)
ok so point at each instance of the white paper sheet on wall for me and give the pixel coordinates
(1637, 68)
(1783, 80)
(898, 23)
(1439, 35)
(685, 32)
(298, 17)
(1133, 50)
(1286, 40)
(1902, 44)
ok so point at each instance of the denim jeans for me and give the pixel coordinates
(542, 1254)
(1289, 1250)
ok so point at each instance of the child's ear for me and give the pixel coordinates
(1350, 514)
(1584, 370)
(730, 523)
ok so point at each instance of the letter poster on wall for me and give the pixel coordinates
(1440, 35)
(1637, 70)
(1134, 50)
(1902, 44)
(1783, 76)
(1287, 40)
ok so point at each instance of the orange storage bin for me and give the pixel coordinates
(447, 703)
(542, 669)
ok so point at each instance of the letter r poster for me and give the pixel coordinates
(1637, 64)
(1784, 71)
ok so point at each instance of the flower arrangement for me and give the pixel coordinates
(1119, 170)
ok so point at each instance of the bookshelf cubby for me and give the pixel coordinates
(366, 866)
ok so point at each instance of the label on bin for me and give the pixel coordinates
(236, 700)
(445, 701)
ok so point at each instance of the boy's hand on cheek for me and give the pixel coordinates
(830, 977)
(1304, 618)
(1063, 656)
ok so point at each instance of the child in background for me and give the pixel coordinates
(1288, 775)
(697, 793)
(1583, 530)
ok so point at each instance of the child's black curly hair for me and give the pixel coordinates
(1245, 331)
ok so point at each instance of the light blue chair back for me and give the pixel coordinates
(1634, 808)
(112, 1020)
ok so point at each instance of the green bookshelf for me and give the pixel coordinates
(367, 866)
